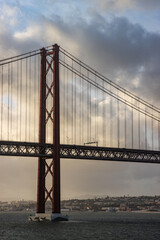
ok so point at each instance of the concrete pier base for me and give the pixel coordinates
(55, 217)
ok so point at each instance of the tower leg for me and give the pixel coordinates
(42, 136)
(41, 186)
(56, 135)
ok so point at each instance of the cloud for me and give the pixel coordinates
(9, 14)
(143, 5)
(119, 49)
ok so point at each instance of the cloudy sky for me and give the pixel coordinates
(119, 38)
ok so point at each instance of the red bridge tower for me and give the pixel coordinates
(49, 118)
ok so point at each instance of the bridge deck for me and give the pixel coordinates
(27, 149)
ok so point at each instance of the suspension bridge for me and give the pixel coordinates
(52, 106)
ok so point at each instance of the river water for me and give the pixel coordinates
(82, 225)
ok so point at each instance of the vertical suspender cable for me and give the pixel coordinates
(30, 95)
(132, 126)
(11, 99)
(139, 129)
(35, 91)
(145, 130)
(75, 117)
(64, 103)
(1, 101)
(2, 106)
(8, 102)
(60, 98)
(152, 131)
(9, 129)
(159, 134)
(36, 98)
(90, 118)
(20, 95)
(26, 103)
(125, 123)
(104, 135)
(67, 108)
(96, 108)
(97, 136)
(118, 143)
(110, 118)
(81, 130)
(83, 110)
(87, 110)
(72, 106)
(17, 100)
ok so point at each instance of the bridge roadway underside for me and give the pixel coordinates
(30, 149)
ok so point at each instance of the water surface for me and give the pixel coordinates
(83, 225)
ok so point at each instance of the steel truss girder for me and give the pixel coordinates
(109, 154)
(27, 149)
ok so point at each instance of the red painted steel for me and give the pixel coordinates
(56, 135)
(53, 194)
(42, 136)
